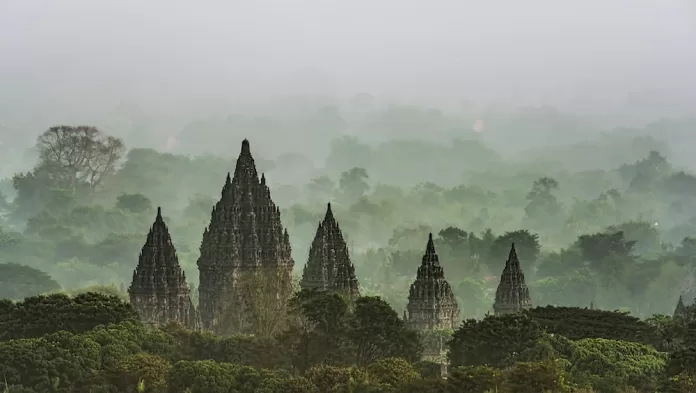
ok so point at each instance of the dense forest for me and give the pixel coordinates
(604, 229)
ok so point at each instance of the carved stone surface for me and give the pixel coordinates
(245, 235)
(512, 295)
(431, 302)
(328, 266)
(159, 292)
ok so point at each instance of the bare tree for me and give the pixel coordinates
(78, 156)
(260, 304)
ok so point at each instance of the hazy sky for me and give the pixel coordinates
(97, 51)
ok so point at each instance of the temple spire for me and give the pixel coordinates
(159, 292)
(431, 301)
(512, 294)
(329, 267)
(245, 236)
(680, 310)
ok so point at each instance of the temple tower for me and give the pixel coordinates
(245, 239)
(328, 266)
(431, 302)
(680, 310)
(512, 294)
(159, 292)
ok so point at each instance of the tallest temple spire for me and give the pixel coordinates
(244, 238)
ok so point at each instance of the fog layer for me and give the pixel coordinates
(78, 55)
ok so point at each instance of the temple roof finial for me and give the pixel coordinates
(329, 213)
(159, 214)
(430, 248)
(245, 147)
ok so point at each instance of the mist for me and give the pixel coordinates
(83, 56)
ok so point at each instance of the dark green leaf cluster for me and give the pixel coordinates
(577, 323)
(40, 315)
(19, 281)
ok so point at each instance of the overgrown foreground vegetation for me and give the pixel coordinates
(94, 343)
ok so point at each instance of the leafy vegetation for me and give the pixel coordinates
(606, 247)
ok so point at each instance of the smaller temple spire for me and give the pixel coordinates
(329, 266)
(512, 294)
(159, 292)
(680, 310)
(431, 301)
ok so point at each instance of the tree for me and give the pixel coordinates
(73, 163)
(607, 253)
(317, 332)
(534, 377)
(329, 378)
(578, 323)
(41, 315)
(377, 332)
(643, 234)
(141, 370)
(80, 155)
(493, 340)
(18, 282)
(263, 307)
(541, 201)
(353, 183)
(526, 244)
(206, 376)
(649, 171)
(410, 238)
(456, 240)
(134, 203)
(475, 379)
(392, 371)
(610, 364)
(322, 187)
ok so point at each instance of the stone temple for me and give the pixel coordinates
(512, 295)
(328, 266)
(245, 238)
(680, 311)
(431, 302)
(159, 292)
